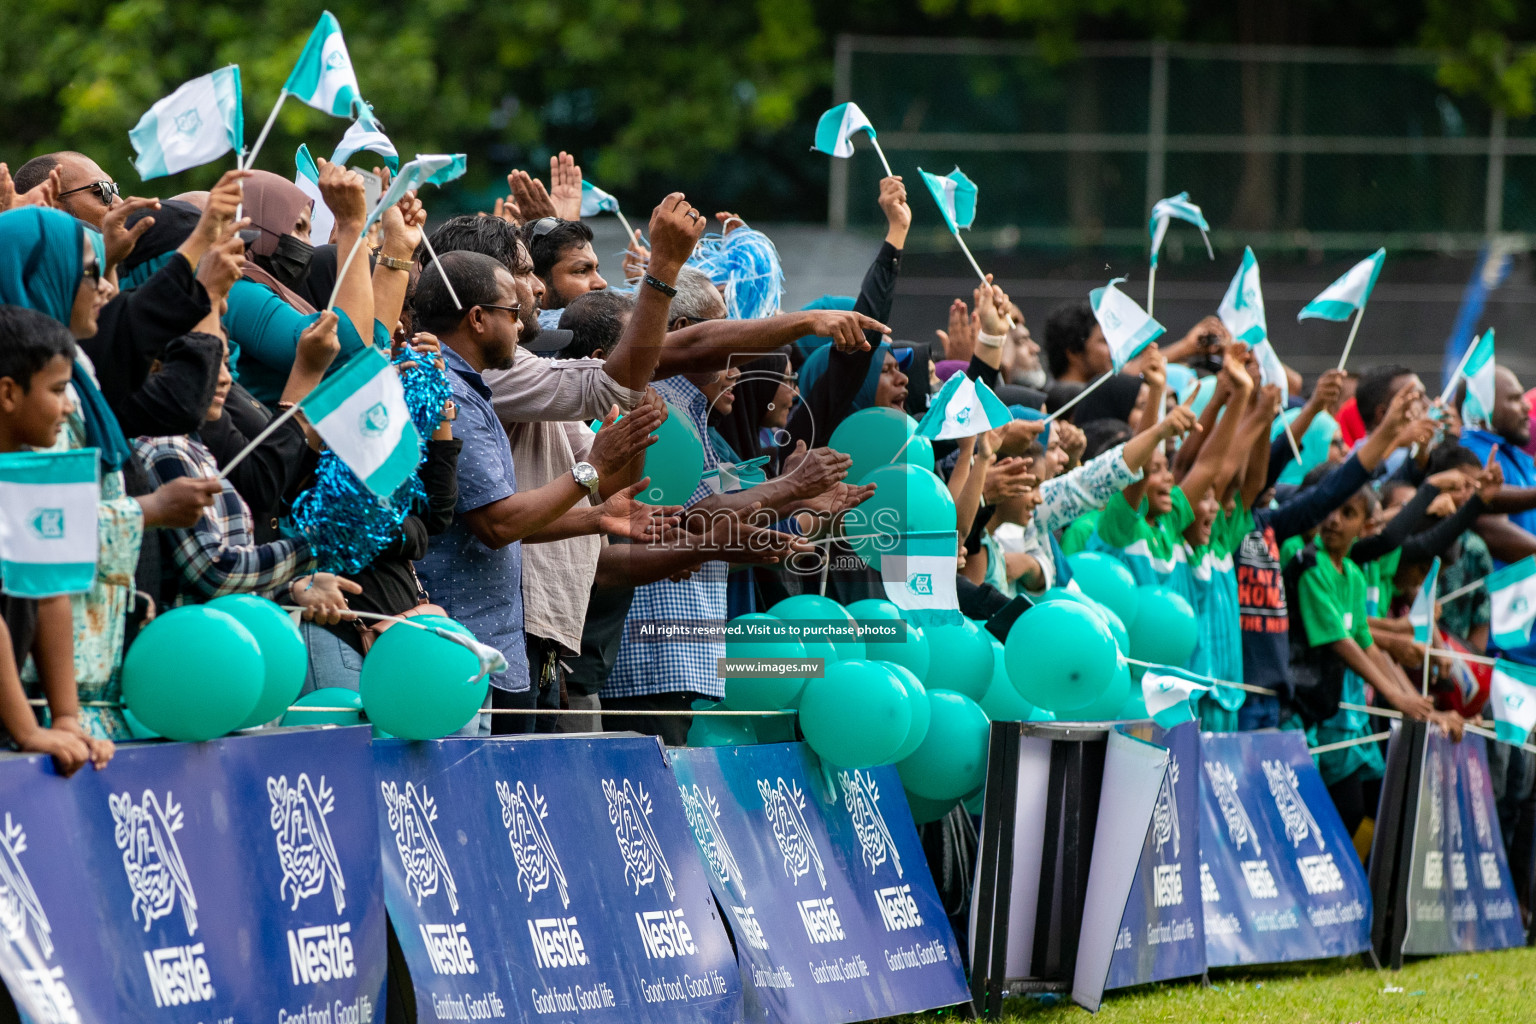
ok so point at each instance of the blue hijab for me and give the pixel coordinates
(816, 365)
(40, 268)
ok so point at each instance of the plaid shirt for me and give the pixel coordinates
(219, 555)
(645, 667)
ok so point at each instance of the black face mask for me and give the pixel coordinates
(289, 262)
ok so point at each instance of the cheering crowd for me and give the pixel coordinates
(171, 334)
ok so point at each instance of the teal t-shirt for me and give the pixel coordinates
(1219, 649)
(264, 335)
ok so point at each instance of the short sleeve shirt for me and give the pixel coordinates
(1332, 603)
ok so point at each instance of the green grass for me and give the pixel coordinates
(1451, 989)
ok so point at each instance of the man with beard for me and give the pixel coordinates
(564, 261)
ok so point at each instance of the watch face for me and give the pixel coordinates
(584, 473)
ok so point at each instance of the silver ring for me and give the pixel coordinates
(693, 214)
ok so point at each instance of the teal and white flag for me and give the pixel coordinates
(1167, 692)
(919, 577)
(48, 522)
(323, 78)
(730, 477)
(307, 177)
(963, 408)
(1242, 308)
(1422, 615)
(1512, 597)
(366, 135)
(432, 169)
(838, 126)
(1351, 292)
(956, 196)
(1272, 370)
(595, 201)
(1512, 699)
(195, 125)
(1479, 372)
(1126, 326)
(1176, 208)
(361, 414)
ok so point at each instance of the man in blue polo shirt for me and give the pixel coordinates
(1510, 527)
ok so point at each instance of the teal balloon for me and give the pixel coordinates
(136, 728)
(675, 463)
(1060, 656)
(907, 499)
(1057, 594)
(1002, 702)
(762, 693)
(1115, 623)
(775, 728)
(194, 673)
(1106, 706)
(282, 653)
(872, 438)
(960, 659)
(974, 802)
(1135, 707)
(874, 608)
(722, 731)
(952, 759)
(421, 686)
(806, 609)
(327, 697)
(917, 703)
(1165, 630)
(857, 715)
(925, 811)
(913, 654)
(1105, 578)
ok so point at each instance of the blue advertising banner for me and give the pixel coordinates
(549, 879)
(1279, 878)
(829, 895)
(237, 879)
(1162, 934)
(1461, 896)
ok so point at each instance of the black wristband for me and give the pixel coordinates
(661, 286)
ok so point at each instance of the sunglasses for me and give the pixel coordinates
(92, 272)
(515, 309)
(544, 225)
(106, 191)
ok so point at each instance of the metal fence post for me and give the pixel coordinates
(1157, 123)
(1493, 202)
(837, 179)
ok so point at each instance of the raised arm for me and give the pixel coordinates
(675, 230)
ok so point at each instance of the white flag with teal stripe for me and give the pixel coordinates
(1512, 700)
(431, 169)
(1272, 370)
(595, 201)
(323, 77)
(838, 126)
(963, 408)
(195, 125)
(1167, 693)
(48, 522)
(307, 177)
(956, 196)
(1512, 597)
(919, 577)
(361, 414)
(1242, 307)
(1176, 208)
(1351, 292)
(1479, 372)
(1422, 615)
(1127, 327)
(366, 135)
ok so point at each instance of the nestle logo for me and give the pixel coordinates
(448, 948)
(898, 910)
(821, 921)
(665, 934)
(1167, 885)
(178, 975)
(321, 953)
(556, 942)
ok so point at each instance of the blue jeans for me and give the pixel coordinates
(1258, 712)
(332, 661)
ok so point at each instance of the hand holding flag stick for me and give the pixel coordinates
(1242, 313)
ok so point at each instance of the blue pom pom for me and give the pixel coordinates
(426, 389)
(746, 264)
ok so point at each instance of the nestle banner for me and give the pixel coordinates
(231, 880)
(830, 898)
(1279, 878)
(1461, 896)
(548, 879)
(1162, 934)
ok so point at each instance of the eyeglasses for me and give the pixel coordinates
(92, 272)
(106, 191)
(515, 309)
(544, 225)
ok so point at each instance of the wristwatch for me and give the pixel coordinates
(392, 263)
(586, 476)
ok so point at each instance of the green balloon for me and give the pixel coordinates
(1165, 631)
(1106, 706)
(872, 437)
(762, 693)
(917, 703)
(194, 673)
(724, 731)
(675, 463)
(1060, 656)
(856, 715)
(810, 609)
(327, 697)
(282, 652)
(418, 685)
(907, 499)
(960, 659)
(952, 759)
(925, 811)
(1105, 578)
(1002, 702)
